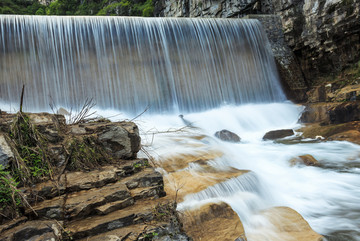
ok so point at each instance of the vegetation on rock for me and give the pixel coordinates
(143, 8)
(32, 164)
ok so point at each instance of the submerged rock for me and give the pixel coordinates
(277, 134)
(286, 224)
(228, 136)
(213, 221)
(308, 160)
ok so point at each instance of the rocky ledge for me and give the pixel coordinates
(92, 187)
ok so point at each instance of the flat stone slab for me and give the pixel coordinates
(82, 204)
(146, 178)
(34, 230)
(277, 134)
(138, 213)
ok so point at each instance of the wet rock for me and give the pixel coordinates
(308, 160)
(34, 230)
(6, 155)
(345, 112)
(286, 224)
(228, 136)
(182, 160)
(121, 141)
(212, 222)
(316, 112)
(350, 135)
(277, 134)
(191, 182)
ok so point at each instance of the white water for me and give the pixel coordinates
(328, 198)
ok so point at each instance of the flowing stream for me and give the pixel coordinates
(220, 74)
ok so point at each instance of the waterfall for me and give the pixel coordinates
(221, 72)
(128, 63)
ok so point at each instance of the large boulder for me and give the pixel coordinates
(277, 134)
(119, 139)
(228, 136)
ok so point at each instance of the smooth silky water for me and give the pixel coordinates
(220, 74)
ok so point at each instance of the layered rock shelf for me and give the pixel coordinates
(118, 198)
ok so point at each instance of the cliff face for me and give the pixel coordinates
(324, 34)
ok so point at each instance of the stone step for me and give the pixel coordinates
(101, 201)
(34, 230)
(81, 204)
(148, 177)
(148, 192)
(78, 181)
(126, 233)
(141, 212)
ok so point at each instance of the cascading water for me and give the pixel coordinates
(188, 65)
(130, 63)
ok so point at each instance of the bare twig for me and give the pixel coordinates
(84, 112)
(147, 107)
(148, 156)
(182, 129)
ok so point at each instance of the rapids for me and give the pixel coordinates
(327, 197)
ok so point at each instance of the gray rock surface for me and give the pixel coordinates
(228, 136)
(6, 155)
(277, 134)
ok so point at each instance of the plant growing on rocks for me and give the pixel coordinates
(31, 163)
(9, 194)
(11, 198)
(85, 154)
